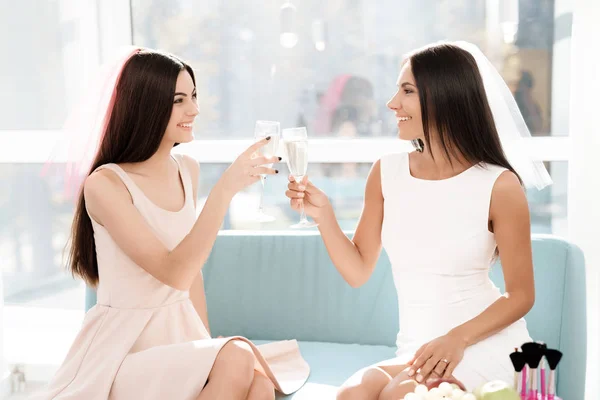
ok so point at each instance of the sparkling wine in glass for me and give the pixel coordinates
(263, 129)
(295, 143)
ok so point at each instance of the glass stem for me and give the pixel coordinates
(262, 193)
(303, 214)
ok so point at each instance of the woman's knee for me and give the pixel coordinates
(353, 393)
(366, 385)
(237, 358)
(262, 388)
(398, 388)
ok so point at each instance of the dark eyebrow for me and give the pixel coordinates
(404, 84)
(183, 94)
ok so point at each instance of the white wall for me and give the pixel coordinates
(4, 385)
(584, 182)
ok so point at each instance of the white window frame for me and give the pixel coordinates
(17, 147)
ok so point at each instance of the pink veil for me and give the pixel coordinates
(86, 123)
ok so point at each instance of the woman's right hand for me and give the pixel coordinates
(247, 168)
(316, 203)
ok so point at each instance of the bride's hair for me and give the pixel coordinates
(454, 103)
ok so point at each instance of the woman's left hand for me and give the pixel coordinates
(440, 357)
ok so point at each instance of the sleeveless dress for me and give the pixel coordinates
(144, 339)
(437, 239)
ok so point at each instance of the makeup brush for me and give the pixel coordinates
(543, 379)
(533, 355)
(518, 361)
(553, 357)
(543, 372)
(524, 374)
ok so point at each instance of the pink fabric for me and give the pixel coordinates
(144, 339)
(86, 123)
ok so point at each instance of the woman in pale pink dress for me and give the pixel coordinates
(136, 238)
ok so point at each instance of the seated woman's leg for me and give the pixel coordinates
(368, 383)
(398, 387)
(261, 388)
(231, 374)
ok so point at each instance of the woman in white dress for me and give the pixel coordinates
(443, 213)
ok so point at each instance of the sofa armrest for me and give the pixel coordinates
(573, 334)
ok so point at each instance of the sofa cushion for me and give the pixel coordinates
(282, 286)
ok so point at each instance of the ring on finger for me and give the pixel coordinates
(441, 367)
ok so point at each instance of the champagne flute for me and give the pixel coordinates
(263, 129)
(295, 143)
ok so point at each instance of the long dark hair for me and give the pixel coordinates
(136, 126)
(454, 102)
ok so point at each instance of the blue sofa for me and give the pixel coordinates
(281, 285)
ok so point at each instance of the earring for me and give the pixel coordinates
(418, 145)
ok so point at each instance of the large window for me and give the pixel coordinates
(330, 66)
(333, 67)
